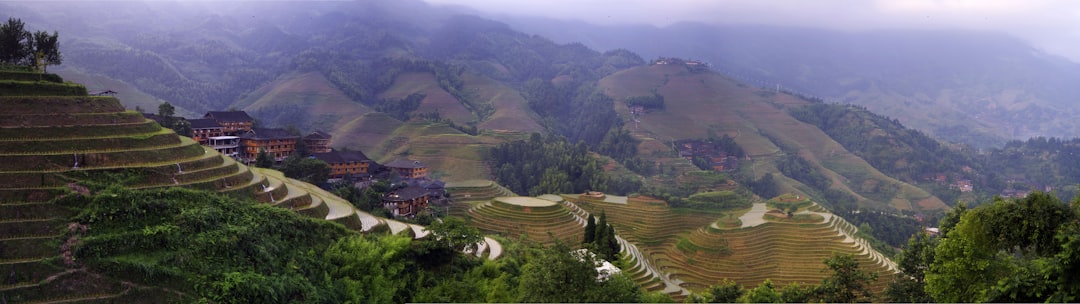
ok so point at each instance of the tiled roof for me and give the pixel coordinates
(229, 116)
(404, 194)
(436, 184)
(341, 156)
(405, 163)
(204, 123)
(317, 135)
(267, 133)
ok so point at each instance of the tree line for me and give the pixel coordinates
(549, 164)
(19, 46)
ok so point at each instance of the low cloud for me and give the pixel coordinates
(1051, 25)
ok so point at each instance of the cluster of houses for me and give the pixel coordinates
(964, 185)
(233, 133)
(716, 158)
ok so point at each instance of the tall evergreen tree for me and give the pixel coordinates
(590, 230)
(611, 244)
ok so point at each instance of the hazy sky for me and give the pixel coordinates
(1051, 25)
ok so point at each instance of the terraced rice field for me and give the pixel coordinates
(541, 220)
(666, 247)
(650, 226)
(54, 145)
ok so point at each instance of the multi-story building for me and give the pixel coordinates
(345, 163)
(277, 142)
(232, 122)
(407, 201)
(408, 169)
(202, 129)
(318, 142)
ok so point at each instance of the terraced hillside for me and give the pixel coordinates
(645, 227)
(784, 251)
(697, 104)
(56, 140)
(677, 250)
(541, 219)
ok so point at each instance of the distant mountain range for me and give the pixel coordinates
(978, 88)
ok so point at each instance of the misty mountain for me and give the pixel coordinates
(980, 88)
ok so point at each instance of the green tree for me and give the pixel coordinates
(590, 230)
(1007, 250)
(847, 283)
(555, 275)
(15, 42)
(909, 286)
(454, 234)
(46, 50)
(370, 270)
(167, 112)
(763, 293)
(263, 159)
(727, 291)
(795, 293)
(611, 244)
(307, 169)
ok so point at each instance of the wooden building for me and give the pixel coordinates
(277, 142)
(407, 202)
(318, 142)
(202, 129)
(408, 169)
(232, 122)
(345, 163)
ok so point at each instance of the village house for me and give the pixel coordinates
(963, 186)
(318, 142)
(277, 142)
(408, 169)
(345, 163)
(436, 191)
(232, 122)
(202, 129)
(406, 202)
(227, 145)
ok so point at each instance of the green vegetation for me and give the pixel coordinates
(886, 144)
(306, 169)
(717, 200)
(654, 101)
(542, 165)
(20, 47)
(1021, 250)
(600, 238)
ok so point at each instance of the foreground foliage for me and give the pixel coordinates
(212, 248)
(1023, 250)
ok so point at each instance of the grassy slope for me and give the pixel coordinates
(130, 96)
(437, 99)
(326, 106)
(512, 113)
(697, 102)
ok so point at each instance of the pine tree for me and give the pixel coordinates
(610, 243)
(601, 235)
(590, 230)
